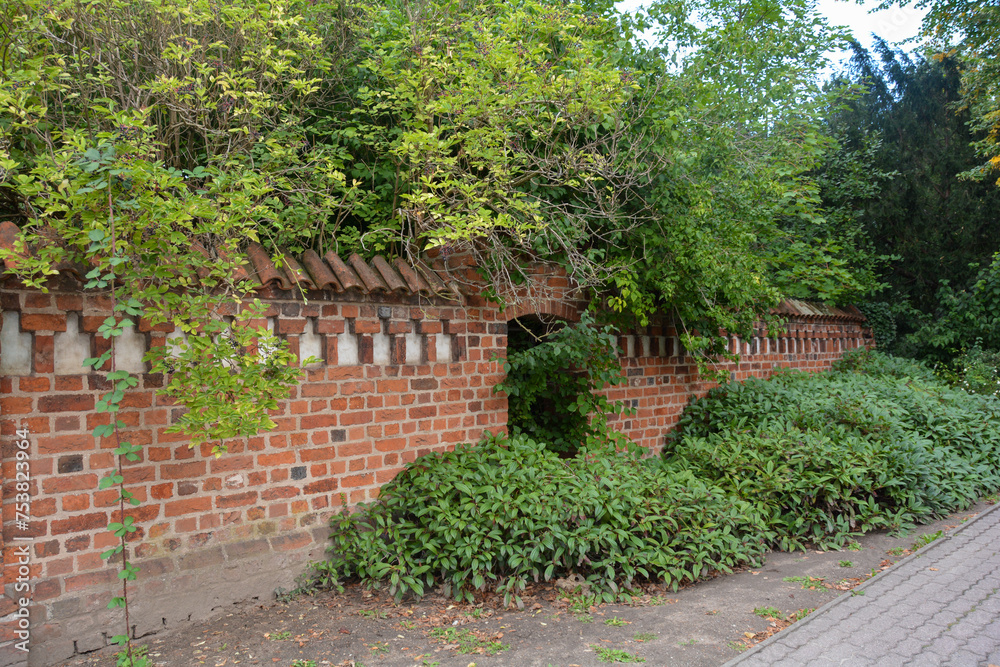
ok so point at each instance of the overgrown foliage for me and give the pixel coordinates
(976, 370)
(508, 511)
(509, 132)
(552, 387)
(971, 29)
(902, 124)
(965, 318)
(794, 460)
(125, 130)
(880, 443)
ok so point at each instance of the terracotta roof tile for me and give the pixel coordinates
(331, 272)
(310, 272)
(296, 275)
(263, 269)
(321, 274)
(413, 279)
(345, 274)
(391, 278)
(373, 282)
(812, 309)
(434, 281)
(240, 273)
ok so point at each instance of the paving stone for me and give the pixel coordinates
(981, 645)
(925, 660)
(890, 661)
(947, 644)
(963, 659)
(910, 615)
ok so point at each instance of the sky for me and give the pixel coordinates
(895, 25)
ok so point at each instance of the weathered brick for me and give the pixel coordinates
(182, 470)
(66, 403)
(79, 523)
(236, 500)
(187, 506)
(31, 384)
(43, 322)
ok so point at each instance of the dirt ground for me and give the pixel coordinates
(704, 624)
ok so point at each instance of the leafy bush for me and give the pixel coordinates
(882, 321)
(966, 318)
(550, 386)
(880, 444)
(792, 460)
(507, 511)
(977, 371)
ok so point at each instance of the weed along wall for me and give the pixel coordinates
(408, 361)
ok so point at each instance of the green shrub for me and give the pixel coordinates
(977, 371)
(880, 444)
(551, 386)
(882, 321)
(508, 511)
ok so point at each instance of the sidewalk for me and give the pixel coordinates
(940, 606)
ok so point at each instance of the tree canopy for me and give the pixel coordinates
(908, 130)
(673, 178)
(971, 29)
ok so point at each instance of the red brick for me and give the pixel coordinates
(162, 491)
(182, 470)
(70, 423)
(393, 386)
(46, 549)
(187, 506)
(278, 493)
(67, 483)
(318, 389)
(358, 480)
(37, 301)
(236, 500)
(362, 387)
(76, 503)
(78, 543)
(279, 459)
(320, 486)
(230, 462)
(367, 327)
(66, 403)
(90, 580)
(44, 353)
(390, 444)
(34, 384)
(319, 454)
(355, 418)
(79, 523)
(42, 322)
(43, 507)
(72, 302)
(10, 405)
(319, 421)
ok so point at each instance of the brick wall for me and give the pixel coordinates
(403, 373)
(661, 379)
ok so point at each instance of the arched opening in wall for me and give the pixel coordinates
(527, 331)
(546, 377)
